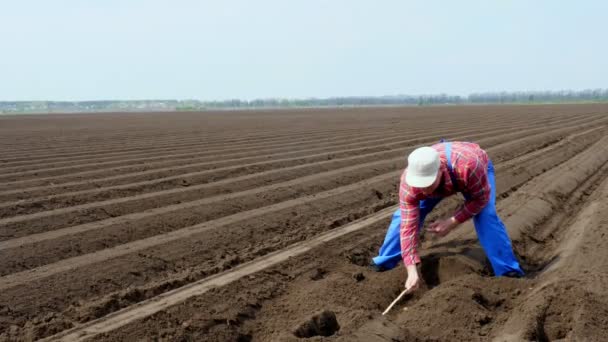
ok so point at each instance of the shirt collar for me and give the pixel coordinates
(445, 187)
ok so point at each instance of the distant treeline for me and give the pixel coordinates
(86, 106)
(519, 97)
(588, 95)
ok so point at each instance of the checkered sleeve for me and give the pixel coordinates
(477, 189)
(410, 213)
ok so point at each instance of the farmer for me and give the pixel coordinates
(434, 173)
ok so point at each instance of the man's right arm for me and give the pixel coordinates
(410, 214)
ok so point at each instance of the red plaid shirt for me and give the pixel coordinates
(470, 167)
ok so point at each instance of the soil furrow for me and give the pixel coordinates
(212, 260)
(26, 224)
(251, 146)
(219, 170)
(76, 267)
(194, 150)
(81, 169)
(165, 300)
(533, 164)
(23, 193)
(177, 296)
(146, 142)
(243, 137)
(249, 142)
(230, 159)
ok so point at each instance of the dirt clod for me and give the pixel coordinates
(359, 257)
(358, 277)
(318, 274)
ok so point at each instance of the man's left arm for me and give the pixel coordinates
(477, 191)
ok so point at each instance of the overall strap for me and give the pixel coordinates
(448, 155)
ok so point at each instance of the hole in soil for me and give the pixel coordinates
(533, 268)
(483, 320)
(358, 277)
(539, 334)
(346, 219)
(244, 338)
(318, 274)
(359, 257)
(552, 323)
(440, 267)
(489, 304)
(481, 300)
(322, 324)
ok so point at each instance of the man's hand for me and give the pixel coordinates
(413, 280)
(443, 227)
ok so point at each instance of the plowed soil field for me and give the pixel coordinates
(259, 226)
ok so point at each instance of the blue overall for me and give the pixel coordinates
(491, 232)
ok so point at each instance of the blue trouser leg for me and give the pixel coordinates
(390, 251)
(389, 255)
(493, 236)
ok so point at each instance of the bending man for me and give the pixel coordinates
(434, 173)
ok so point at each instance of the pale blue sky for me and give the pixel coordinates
(180, 49)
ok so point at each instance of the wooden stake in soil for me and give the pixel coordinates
(403, 293)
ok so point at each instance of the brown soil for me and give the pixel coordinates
(258, 226)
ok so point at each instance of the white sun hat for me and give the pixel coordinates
(423, 166)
